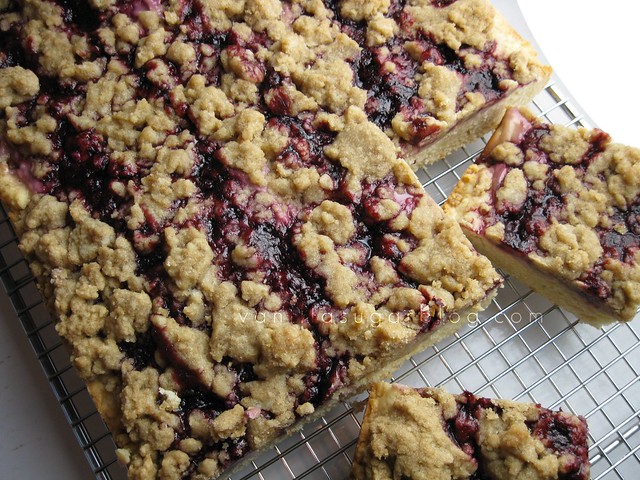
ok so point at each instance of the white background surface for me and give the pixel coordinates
(36, 441)
(592, 46)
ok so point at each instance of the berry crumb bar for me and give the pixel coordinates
(558, 207)
(430, 434)
(225, 233)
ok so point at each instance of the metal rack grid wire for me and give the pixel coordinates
(521, 347)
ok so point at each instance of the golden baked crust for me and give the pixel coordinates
(228, 244)
(558, 208)
(429, 434)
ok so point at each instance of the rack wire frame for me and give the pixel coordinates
(521, 347)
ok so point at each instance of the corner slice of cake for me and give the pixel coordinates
(558, 208)
(433, 74)
(430, 434)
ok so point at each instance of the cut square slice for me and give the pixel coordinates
(558, 208)
(427, 433)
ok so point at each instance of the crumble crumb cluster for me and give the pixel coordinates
(561, 201)
(223, 229)
(427, 433)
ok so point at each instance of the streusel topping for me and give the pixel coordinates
(428, 433)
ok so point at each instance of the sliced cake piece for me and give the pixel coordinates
(430, 434)
(559, 208)
(228, 244)
(436, 74)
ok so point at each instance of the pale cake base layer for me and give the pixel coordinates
(545, 283)
(472, 127)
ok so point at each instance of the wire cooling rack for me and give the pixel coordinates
(522, 347)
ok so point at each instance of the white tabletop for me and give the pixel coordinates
(593, 48)
(595, 59)
(36, 440)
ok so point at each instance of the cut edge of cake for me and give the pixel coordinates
(77, 260)
(485, 119)
(106, 403)
(547, 284)
(109, 402)
(445, 331)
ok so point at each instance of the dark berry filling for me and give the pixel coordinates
(443, 3)
(593, 283)
(328, 377)
(463, 429)
(197, 25)
(525, 225)
(564, 435)
(142, 351)
(524, 228)
(623, 246)
(11, 51)
(306, 145)
(79, 14)
(387, 93)
(84, 167)
(392, 93)
(561, 434)
(355, 30)
(210, 406)
(195, 399)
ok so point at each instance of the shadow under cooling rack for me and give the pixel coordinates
(522, 347)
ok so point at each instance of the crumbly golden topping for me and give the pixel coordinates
(508, 448)
(17, 84)
(569, 249)
(403, 438)
(462, 23)
(356, 10)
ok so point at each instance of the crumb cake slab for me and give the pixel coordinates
(429, 434)
(228, 244)
(558, 207)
